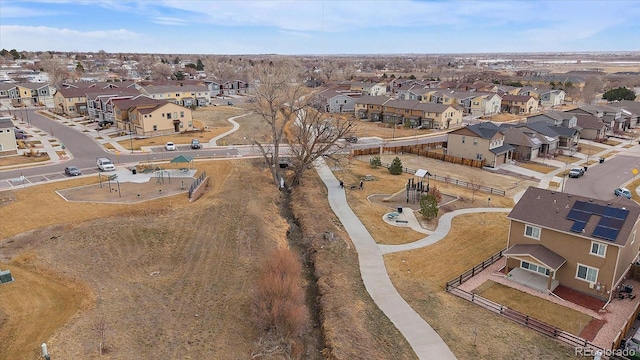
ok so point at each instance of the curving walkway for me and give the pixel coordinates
(444, 225)
(426, 343)
(236, 126)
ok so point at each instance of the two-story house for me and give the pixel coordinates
(8, 94)
(485, 104)
(8, 144)
(582, 243)
(519, 104)
(36, 94)
(98, 106)
(483, 141)
(185, 95)
(335, 100)
(70, 101)
(160, 118)
(592, 127)
(370, 107)
(552, 99)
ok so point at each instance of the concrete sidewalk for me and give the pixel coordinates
(426, 343)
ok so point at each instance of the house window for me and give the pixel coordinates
(181, 114)
(535, 268)
(190, 124)
(155, 127)
(532, 232)
(475, 141)
(587, 273)
(463, 139)
(175, 115)
(598, 249)
(181, 125)
(479, 156)
(162, 114)
(168, 115)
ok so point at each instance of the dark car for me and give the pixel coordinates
(229, 103)
(351, 139)
(105, 124)
(195, 144)
(72, 171)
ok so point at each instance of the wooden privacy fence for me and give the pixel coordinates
(522, 319)
(457, 182)
(627, 325)
(425, 150)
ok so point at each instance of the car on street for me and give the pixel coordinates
(576, 172)
(104, 164)
(169, 146)
(622, 192)
(195, 144)
(72, 171)
(105, 124)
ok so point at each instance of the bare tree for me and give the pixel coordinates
(56, 69)
(591, 87)
(218, 68)
(279, 94)
(315, 135)
(100, 327)
(474, 185)
(161, 72)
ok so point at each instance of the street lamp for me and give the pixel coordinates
(564, 176)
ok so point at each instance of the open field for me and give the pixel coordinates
(385, 130)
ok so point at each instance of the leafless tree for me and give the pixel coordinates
(316, 134)
(218, 68)
(591, 87)
(56, 69)
(100, 327)
(161, 72)
(474, 185)
(279, 94)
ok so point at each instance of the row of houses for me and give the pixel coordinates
(521, 101)
(541, 135)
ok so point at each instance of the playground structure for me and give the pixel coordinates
(415, 187)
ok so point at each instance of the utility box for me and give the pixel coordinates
(5, 276)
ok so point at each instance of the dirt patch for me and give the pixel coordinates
(591, 330)
(128, 192)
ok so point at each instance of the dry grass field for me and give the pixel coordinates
(535, 166)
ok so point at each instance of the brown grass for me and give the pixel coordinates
(612, 142)
(589, 149)
(352, 325)
(559, 316)
(23, 160)
(541, 168)
(567, 159)
(169, 276)
(386, 131)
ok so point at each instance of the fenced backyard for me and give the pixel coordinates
(430, 150)
(520, 318)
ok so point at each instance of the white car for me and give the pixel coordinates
(104, 164)
(170, 146)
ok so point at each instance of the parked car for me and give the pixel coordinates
(195, 144)
(21, 134)
(576, 172)
(104, 164)
(229, 103)
(72, 171)
(105, 124)
(622, 192)
(351, 139)
(169, 146)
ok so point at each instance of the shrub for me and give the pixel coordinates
(279, 305)
(396, 166)
(375, 162)
(429, 206)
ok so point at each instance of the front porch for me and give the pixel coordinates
(532, 280)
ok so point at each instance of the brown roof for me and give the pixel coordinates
(587, 121)
(552, 209)
(545, 256)
(138, 100)
(72, 92)
(522, 98)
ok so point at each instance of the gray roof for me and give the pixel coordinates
(552, 209)
(6, 123)
(485, 130)
(161, 89)
(502, 149)
(373, 100)
(545, 256)
(587, 121)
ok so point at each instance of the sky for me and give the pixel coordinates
(317, 27)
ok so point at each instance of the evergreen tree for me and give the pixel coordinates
(618, 94)
(199, 65)
(429, 206)
(396, 166)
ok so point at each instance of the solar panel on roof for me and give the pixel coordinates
(593, 208)
(578, 205)
(578, 215)
(616, 213)
(610, 222)
(606, 233)
(578, 226)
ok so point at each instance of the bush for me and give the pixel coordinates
(279, 305)
(375, 162)
(396, 166)
(429, 206)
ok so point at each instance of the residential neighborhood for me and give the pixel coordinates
(519, 176)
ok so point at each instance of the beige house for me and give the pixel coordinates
(584, 244)
(369, 88)
(483, 142)
(70, 101)
(8, 144)
(551, 99)
(159, 119)
(485, 105)
(182, 94)
(519, 104)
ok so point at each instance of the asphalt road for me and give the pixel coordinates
(600, 180)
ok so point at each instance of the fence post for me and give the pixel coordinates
(473, 271)
(526, 320)
(473, 297)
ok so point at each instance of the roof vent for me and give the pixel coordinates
(591, 200)
(553, 193)
(568, 195)
(538, 198)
